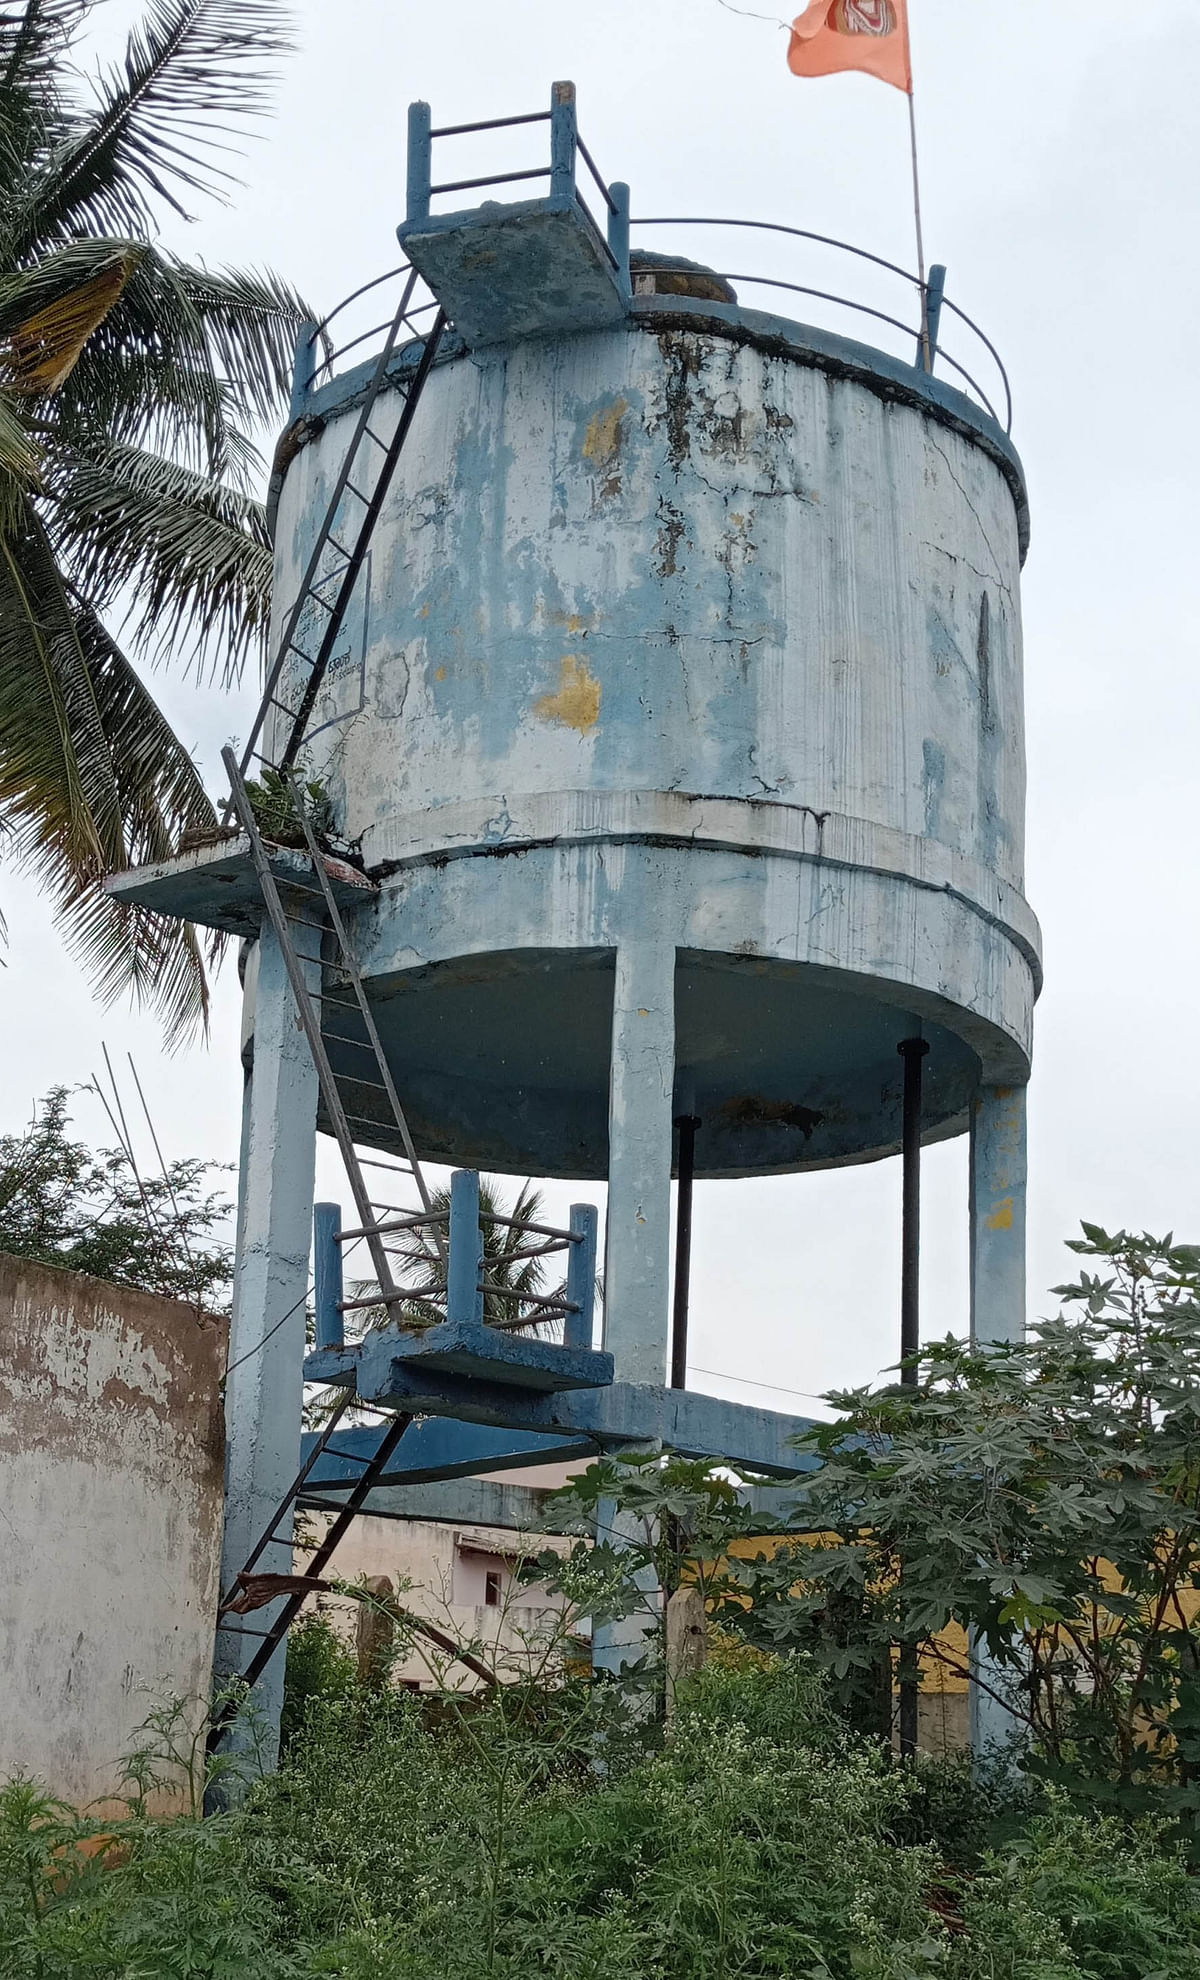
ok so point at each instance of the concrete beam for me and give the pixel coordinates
(455, 1501)
(550, 1428)
(440, 1447)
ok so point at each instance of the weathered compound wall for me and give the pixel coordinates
(111, 1488)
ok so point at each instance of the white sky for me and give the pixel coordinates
(1061, 187)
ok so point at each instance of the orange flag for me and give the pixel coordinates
(871, 35)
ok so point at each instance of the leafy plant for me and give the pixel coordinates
(61, 1203)
(1045, 1497)
(275, 812)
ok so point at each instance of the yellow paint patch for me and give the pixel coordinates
(603, 438)
(577, 702)
(1001, 1218)
(439, 674)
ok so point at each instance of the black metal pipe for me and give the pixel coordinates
(686, 1125)
(912, 1051)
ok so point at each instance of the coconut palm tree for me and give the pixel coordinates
(130, 384)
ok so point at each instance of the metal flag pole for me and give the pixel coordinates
(926, 351)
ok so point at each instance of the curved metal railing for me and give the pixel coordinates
(928, 302)
(352, 331)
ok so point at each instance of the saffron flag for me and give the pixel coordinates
(870, 35)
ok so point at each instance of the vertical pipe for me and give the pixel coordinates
(463, 1296)
(420, 167)
(687, 1125)
(304, 368)
(327, 1275)
(935, 295)
(581, 1276)
(563, 136)
(912, 1051)
(618, 234)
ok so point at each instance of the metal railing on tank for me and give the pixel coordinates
(922, 344)
(468, 1292)
(567, 148)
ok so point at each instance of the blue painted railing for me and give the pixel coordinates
(468, 1298)
(567, 149)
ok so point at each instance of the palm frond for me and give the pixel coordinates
(195, 72)
(92, 779)
(187, 560)
(34, 39)
(20, 460)
(186, 345)
(43, 349)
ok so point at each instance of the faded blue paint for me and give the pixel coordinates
(553, 1429)
(999, 1177)
(327, 1276)
(264, 1387)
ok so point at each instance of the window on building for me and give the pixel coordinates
(492, 1588)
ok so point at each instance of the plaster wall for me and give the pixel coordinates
(111, 1491)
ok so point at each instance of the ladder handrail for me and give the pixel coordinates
(325, 534)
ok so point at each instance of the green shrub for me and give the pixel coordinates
(320, 1665)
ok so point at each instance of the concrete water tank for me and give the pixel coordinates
(697, 636)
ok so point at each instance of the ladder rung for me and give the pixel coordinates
(239, 1629)
(284, 707)
(338, 545)
(369, 433)
(340, 1038)
(364, 499)
(356, 1079)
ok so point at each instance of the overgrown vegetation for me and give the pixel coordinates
(404, 1842)
(63, 1203)
(554, 1825)
(1045, 1497)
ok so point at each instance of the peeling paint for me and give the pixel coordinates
(576, 703)
(1001, 1218)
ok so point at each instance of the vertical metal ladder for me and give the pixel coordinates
(334, 566)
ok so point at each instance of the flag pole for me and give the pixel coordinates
(916, 179)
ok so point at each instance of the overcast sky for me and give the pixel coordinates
(1060, 182)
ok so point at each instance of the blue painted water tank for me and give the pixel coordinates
(699, 627)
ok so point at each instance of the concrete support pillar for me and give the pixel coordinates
(998, 1178)
(615, 1644)
(998, 1185)
(637, 1254)
(264, 1388)
(637, 1262)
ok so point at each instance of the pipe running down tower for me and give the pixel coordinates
(675, 718)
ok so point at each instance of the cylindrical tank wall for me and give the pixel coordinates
(693, 593)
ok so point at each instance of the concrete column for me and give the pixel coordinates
(637, 1260)
(264, 1387)
(998, 1177)
(998, 1184)
(615, 1644)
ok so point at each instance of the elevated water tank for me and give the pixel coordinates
(697, 628)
